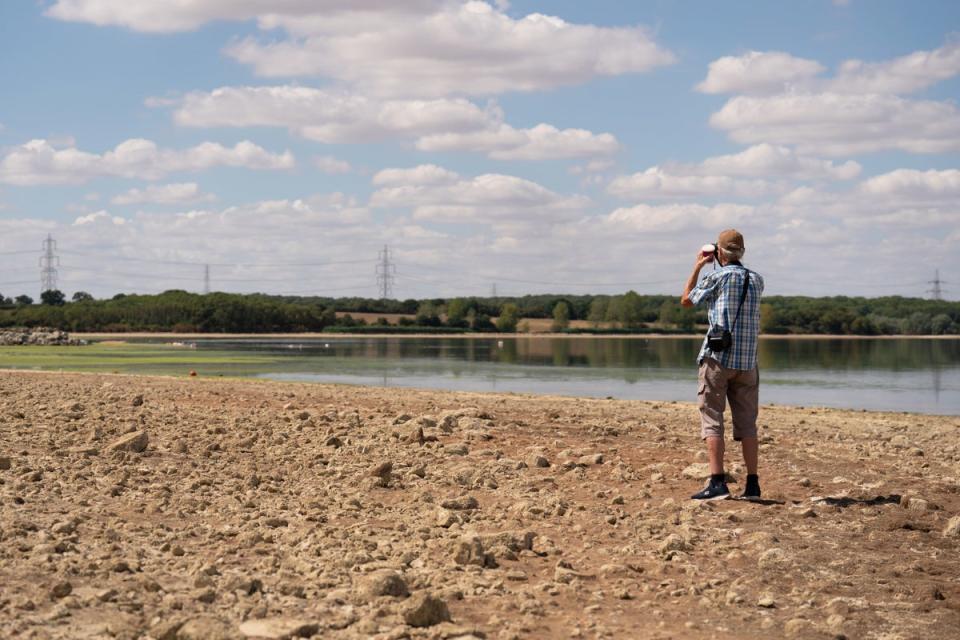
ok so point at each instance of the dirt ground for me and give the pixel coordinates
(175, 509)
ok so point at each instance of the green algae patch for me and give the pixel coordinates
(134, 358)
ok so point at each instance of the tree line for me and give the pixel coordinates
(180, 311)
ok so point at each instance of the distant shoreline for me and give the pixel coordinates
(500, 336)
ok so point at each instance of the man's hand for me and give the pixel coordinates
(701, 260)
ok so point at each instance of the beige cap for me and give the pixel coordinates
(731, 240)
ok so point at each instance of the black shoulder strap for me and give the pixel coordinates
(743, 296)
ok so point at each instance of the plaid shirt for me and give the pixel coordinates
(722, 289)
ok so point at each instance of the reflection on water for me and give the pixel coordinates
(887, 374)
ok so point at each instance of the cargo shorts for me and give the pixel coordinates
(716, 385)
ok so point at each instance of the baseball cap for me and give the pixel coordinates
(731, 240)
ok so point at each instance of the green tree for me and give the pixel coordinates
(561, 317)
(631, 310)
(508, 318)
(23, 300)
(598, 311)
(918, 324)
(941, 324)
(669, 311)
(427, 315)
(53, 298)
(457, 312)
(82, 296)
(769, 322)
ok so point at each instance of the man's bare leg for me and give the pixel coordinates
(715, 450)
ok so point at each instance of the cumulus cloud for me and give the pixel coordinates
(760, 170)
(424, 174)
(905, 74)
(859, 110)
(760, 72)
(489, 198)
(443, 124)
(330, 116)
(913, 185)
(675, 217)
(842, 124)
(904, 198)
(656, 182)
(422, 48)
(99, 217)
(757, 71)
(176, 193)
(40, 162)
(166, 16)
(468, 48)
(541, 142)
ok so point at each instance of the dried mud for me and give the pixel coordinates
(138, 507)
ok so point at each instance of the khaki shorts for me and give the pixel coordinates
(716, 385)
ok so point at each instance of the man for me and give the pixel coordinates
(730, 373)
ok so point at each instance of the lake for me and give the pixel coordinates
(917, 375)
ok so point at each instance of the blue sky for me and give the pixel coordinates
(590, 147)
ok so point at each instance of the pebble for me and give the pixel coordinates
(952, 530)
(61, 590)
(385, 582)
(5, 463)
(135, 442)
(279, 628)
(425, 610)
(463, 503)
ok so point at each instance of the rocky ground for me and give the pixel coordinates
(137, 507)
(37, 336)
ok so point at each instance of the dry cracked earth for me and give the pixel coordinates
(175, 509)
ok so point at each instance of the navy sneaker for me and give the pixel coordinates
(752, 490)
(713, 491)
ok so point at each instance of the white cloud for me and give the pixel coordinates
(940, 185)
(655, 182)
(176, 193)
(165, 16)
(842, 124)
(676, 217)
(424, 174)
(859, 110)
(905, 74)
(332, 166)
(489, 198)
(904, 199)
(542, 142)
(757, 71)
(754, 172)
(445, 124)
(423, 48)
(767, 160)
(760, 72)
(98, 217)
(330, 116)
(463, 48)
(40, 162)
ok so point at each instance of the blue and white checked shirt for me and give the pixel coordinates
(722, 289)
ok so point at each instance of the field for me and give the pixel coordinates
(187, 508)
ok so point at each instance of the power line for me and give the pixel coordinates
(101, 256)
(386, 273)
